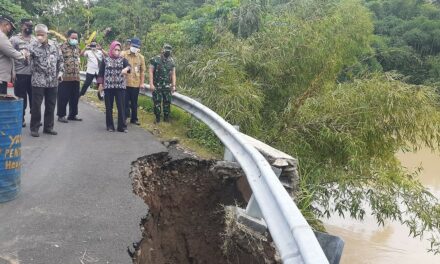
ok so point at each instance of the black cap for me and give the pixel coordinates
(8, 19)
(167, 47)
(135, 42)
(25, 20)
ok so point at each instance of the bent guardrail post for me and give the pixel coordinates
(284, 167)
(227, 156)
(291, 233)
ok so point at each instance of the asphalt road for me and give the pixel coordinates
(76, 204)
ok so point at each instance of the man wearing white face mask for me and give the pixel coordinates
(94, 55)
(47, 68)
(135, 79)
(68, 90)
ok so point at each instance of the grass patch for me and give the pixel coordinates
(190, 132)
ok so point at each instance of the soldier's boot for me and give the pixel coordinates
(157, 119)
(166, 118)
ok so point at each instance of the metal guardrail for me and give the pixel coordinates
(290, 231)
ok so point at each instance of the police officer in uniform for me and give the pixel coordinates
(23, 84)
(7, 52)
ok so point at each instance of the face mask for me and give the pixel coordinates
(134, 50)
(167, 53)
(10, 32)
(28, 31)
(41, 39)
(73, 42)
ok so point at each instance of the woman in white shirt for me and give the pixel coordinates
(94, 55)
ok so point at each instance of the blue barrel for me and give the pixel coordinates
(11, 118)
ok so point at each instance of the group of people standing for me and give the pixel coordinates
(42, 69)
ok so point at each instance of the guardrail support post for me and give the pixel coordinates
(252, 208)
(228, 156)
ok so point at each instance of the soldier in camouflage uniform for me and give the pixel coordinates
(162, 82)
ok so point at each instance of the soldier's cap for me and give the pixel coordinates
(167, 47)
(128, 40)
(8, 19)
(135, 42)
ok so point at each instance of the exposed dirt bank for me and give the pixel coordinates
(188, 221)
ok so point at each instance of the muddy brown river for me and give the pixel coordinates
(366, 243)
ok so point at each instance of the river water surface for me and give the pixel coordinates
(366, 242)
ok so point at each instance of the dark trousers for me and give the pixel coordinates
(50, 100)
(3, 87)
(87, 83)
(118, 95)
(68, 92)
(23, 89)
(131, 103)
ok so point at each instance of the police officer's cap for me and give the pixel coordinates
(167, 47)
(8, 19)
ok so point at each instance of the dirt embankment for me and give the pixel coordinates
(187, 221)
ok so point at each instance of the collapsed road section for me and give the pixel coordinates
(191, 215)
